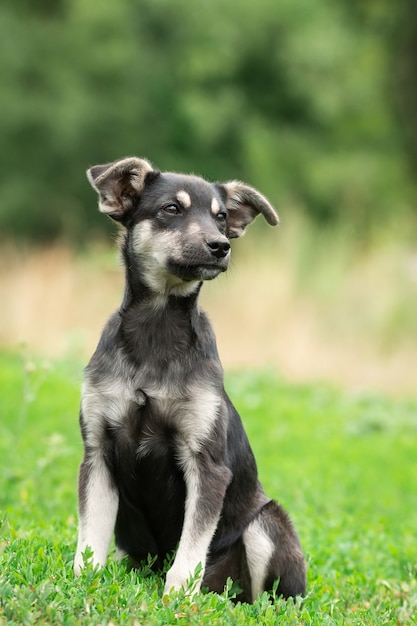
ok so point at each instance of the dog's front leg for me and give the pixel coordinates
(98, 504)
(206, 484)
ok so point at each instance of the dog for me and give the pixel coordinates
(167, 463)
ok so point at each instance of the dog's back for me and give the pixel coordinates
(167, 460)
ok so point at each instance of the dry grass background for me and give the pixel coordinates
(308, 304)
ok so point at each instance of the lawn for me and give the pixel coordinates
(344, 465)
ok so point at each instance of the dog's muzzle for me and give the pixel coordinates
(202, 262)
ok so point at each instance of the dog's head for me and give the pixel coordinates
(178, 226)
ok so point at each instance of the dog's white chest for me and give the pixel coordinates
(192, 414)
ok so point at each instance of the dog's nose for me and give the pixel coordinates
(219, 249)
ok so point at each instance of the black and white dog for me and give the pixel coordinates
(167, 463)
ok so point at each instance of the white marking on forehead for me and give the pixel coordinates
(184, 198)
(215, 206)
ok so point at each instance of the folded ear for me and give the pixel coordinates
(244, 203)
(118, 184)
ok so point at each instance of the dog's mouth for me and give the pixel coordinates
(203, 271)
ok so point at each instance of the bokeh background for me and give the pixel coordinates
(314, 103)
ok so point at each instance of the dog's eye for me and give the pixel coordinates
(172, 209)
(221, 217)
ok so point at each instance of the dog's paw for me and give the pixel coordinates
(78, 565)
(83, 559)
(188, 580)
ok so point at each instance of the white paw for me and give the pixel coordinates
(183, 578)
(87, 557)
(78, 564)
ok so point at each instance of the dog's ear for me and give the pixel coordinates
(244, 203)
(118, 184)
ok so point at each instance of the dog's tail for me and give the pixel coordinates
(273, 552)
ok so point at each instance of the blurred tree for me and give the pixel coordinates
(404, 70)
(295, 97)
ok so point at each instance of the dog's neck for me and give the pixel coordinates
(171, 329)
(165, 322)
(150, 315)
(139, 293)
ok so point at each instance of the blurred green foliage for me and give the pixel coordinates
(313, 102)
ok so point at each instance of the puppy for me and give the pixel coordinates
(167, 463)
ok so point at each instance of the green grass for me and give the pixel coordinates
(344, 465)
